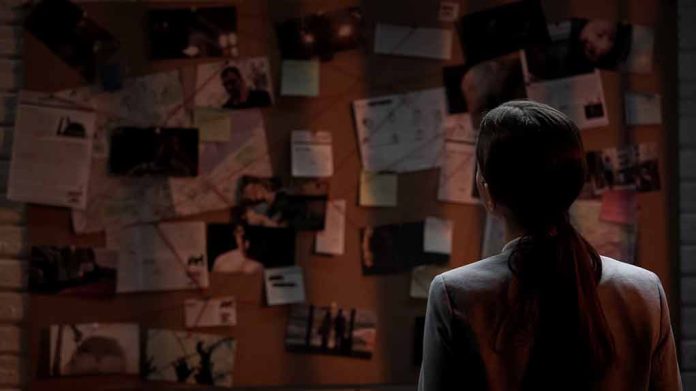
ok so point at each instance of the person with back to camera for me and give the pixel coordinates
(548, 312)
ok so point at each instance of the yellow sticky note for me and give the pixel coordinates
(213, 125)
(378, 189)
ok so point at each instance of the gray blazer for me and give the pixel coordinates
(460, 338)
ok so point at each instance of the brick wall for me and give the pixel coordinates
(12, 234)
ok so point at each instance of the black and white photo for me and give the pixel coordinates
(168, 152)
(83, 271)
(241, 84)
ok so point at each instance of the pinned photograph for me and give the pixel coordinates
(189, 358)
(320, 34)
(94, 349)
(632, 167)
(240, 84)
(168, 152)
(396, 248)
(299, 204)
(67, 31)
(241, 248)
(331, 330)
(196, 32)
(68, 270)
(497, 31)
(484, 86)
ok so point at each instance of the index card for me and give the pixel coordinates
(332, 239)
(300, 78)
(378, 189)
(437, 235)
(413, 41)
(312, 154)
(219, 311)
(284, 285)
(642, 109)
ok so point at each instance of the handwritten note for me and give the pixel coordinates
(437, 236)
(284, 285)
(312, 154)
(332, 239)
(220, 311)
(378, 189)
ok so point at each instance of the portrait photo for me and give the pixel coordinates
(241, 84)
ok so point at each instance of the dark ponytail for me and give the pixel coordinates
(532, 160)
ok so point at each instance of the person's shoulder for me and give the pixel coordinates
(480, 276)
(629, 278)
(621, 272)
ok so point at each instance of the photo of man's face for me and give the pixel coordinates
(598, 38)
(233, 82)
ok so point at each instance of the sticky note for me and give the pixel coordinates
(300, 78)
(213, 125)
(378, 189)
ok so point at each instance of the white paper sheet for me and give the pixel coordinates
(312, 154)
(51, 156)
(284, 285)
(401, 133)
(167, 256)
(437, 236)
(332, 239)
(642, 109)
(458, 173)
(300, 78)
(413, 41)
(580, 97)
(378, 189)
(219, 311)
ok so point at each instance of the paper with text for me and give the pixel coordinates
(212, 312)
(401, 133)
(51, 155)
(168, 256)
(332, 239)
(312, 155)
(284, 285)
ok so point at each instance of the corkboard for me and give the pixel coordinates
(262, 359)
